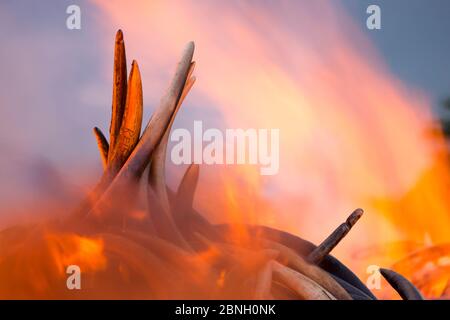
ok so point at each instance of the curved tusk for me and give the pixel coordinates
(402, 285)
(141, 155)
(354, 292)
(303, 248)
(184, 201)
(306, 288)
(194, 222)
(158, 123)
(103, 146)
(164, 225)
(321, 277)
(156, 175)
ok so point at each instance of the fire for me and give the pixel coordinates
(72, 249)
(34, 264)
(351, 133)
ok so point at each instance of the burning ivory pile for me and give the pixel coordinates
(170, 250)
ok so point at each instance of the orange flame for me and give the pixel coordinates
(72, 249)
(34, 263)
(352, 135)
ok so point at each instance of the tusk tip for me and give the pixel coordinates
(355, 216)
(189, 50)
(384, 272)
(119, 35)
(191, 45)
(134, 66)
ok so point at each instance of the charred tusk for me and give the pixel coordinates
(157, 124)
(130, 128)
(194, 222)
(402, 285)
(354, 292)
(164, 225)
(119, 89)
(103, 146)
(126, 142)
(322, 250)
(188, 185)
(185, 194)
(321, 277)
(303, 248)
(140, 157)
(118, 107)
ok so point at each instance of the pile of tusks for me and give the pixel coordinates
(172, 251)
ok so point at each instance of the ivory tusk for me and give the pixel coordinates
(103, 146)
(322, 250)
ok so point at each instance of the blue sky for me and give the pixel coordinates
(48, 72)
(414, 41)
